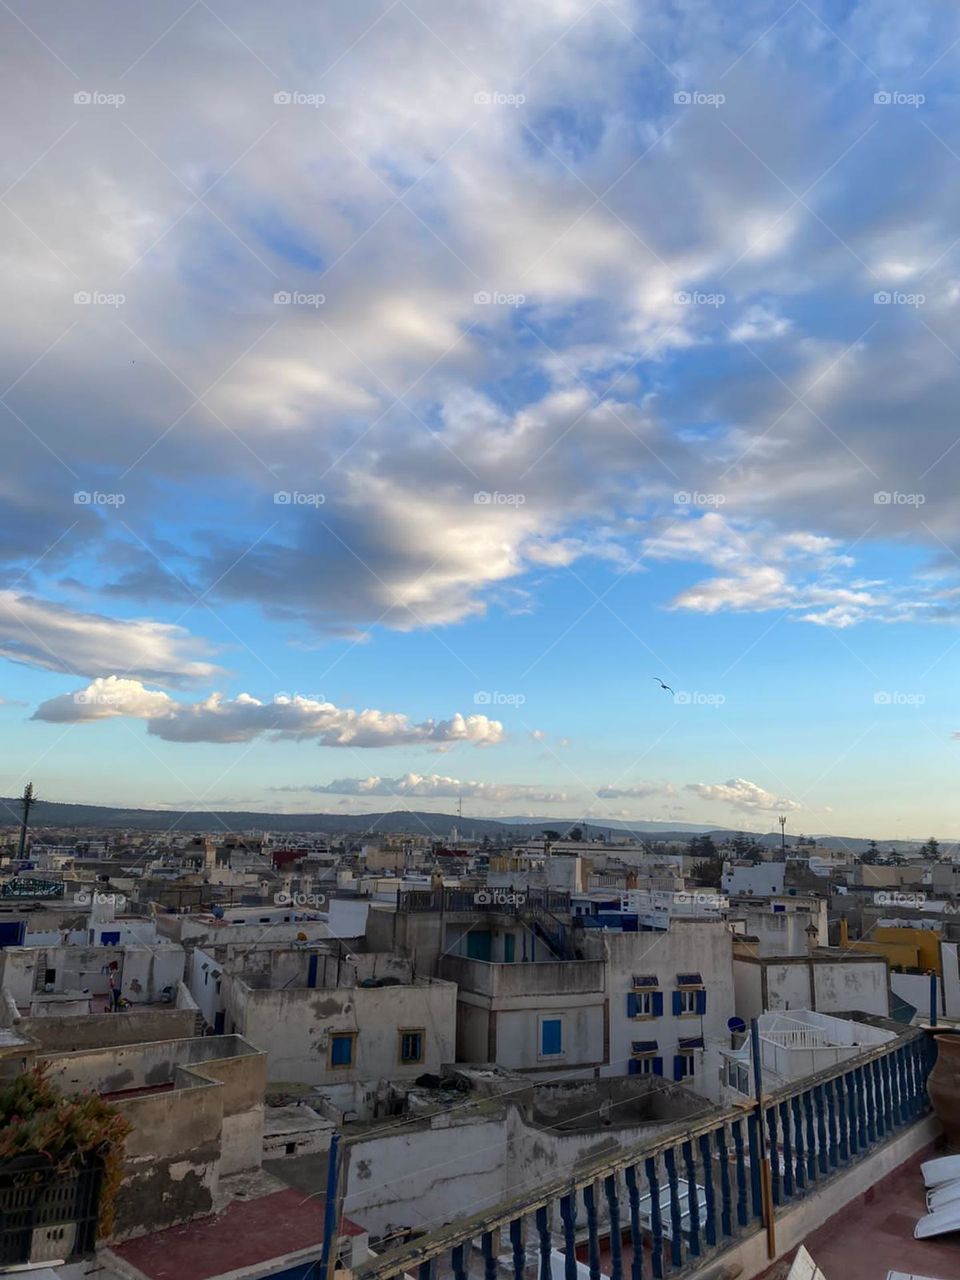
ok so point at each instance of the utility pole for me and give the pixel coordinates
(26, 800)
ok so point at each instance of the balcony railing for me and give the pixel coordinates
(638, 1215)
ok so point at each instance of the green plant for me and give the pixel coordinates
(69, 1132)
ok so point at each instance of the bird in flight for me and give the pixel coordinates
(662, 685)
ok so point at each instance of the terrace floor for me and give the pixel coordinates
(874, 1234)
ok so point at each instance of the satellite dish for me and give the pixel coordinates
(736, 1024)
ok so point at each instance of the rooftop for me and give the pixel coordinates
(247, 1233)
(874, 1234)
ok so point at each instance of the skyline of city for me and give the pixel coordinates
(397, 396)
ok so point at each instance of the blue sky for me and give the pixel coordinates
(394, 391)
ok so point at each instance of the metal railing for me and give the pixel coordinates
(638, 1212)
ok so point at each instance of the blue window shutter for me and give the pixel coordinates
(342, 1051)
(633, 1005)
(658, 1066)
(633, 1067)
(701, 1002)
(658, 1004)
(678, 1065)
(677, 1003)
(550, 1036)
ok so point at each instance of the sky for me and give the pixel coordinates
(396, 395)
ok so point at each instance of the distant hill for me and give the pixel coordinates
(52, 813)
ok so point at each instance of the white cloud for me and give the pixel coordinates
(42, 634)
(243, 718)
(636, 791)
(434, 785)
(741, 794)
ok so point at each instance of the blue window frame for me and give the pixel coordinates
(341, 1050)
(411, 1046)
(551, 1036)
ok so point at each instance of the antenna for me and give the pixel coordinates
(27, 800)
(783, 823)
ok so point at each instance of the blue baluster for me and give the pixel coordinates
(488, 1249)
(916, 1080)
(753, 1126)
(457, 1263)
(636, 1231)
(920, 1078)
(811, 1136)
(726, 1198)
(743, 1208)
(899, 1078)
(774, 1153)
(831, 1124)
(676, 1218)
(879, 1103)
(823, 1143)
(787, 1144)
(840, 1089)
(593, 1243)
(881, 1086)
(516, 1242)
(710, 1208)
(862, 1101)
(693, 1198)
(656, 1218)
(801, 1174)
(871, 1103)
(545, 1243)
(616, 1236)
(568, 1216)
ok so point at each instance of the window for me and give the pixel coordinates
(644, 1001)
(683, 1066)
(644, 1060)
(686, 1003)
(341, 1049)
(690, 1000)
(551, 1037)
(411, 1045)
